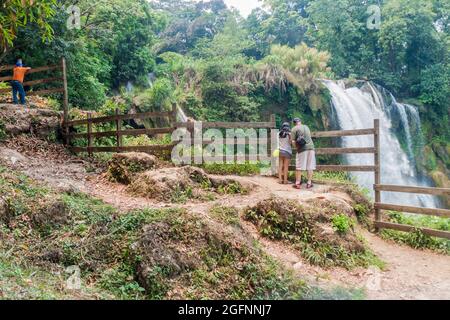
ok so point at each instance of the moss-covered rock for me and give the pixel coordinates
(181, 183)
(186, 256)
(124, 166)
(311, 229)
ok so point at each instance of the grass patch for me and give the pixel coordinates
(227, 215)
(246, 169)
(342, 223)
(335, 177)
(232, 188)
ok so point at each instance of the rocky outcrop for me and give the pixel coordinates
(123, 166)
(18, 120)
(169, 184)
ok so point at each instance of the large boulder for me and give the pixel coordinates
(123, 166)
(163, 183)
(20, 120)
(179, 184)
(308, 227)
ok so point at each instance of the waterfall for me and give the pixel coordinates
(181, 116)
(129, 86)
(356, 108)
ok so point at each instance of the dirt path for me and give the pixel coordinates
(410, 274)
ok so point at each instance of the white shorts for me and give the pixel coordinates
(306, 161)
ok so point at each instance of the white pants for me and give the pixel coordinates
(306, 161)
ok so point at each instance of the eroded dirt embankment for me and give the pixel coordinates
(409, 274)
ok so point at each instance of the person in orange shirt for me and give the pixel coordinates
(19, 73)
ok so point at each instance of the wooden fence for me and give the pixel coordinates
(62, 79)
(118, 119)
(172, 117)
(375, 131)
(416, 210)
(119, 132)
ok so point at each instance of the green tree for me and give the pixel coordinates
(15, 14)
(284, 22)
(190, 22)
(125, 30)
(300, 66)
(340, 27)
(409, 41)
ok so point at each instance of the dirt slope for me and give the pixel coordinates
(410, 274)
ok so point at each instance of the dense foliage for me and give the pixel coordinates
(15, 14)
(221, 66)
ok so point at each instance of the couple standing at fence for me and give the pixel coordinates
(300, 138)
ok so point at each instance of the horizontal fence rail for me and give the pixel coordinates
(149, 148)
(342, 133)
(229, 125)
(130, 132)
(419, 190)
(120, 117)
(339, 151)
(119, 133)
(409, 209)
(443, 213)
(408, 228)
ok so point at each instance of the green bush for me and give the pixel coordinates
(417, 239)
(342, 223)
(246, 169)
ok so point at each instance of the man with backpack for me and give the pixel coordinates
(306, 155)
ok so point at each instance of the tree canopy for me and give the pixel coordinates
(222, 66)
(15, 14)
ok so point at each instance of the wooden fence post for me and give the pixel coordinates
(174, 114)
(273, 140)
(377, 170)
(89, 128)
(118, 130)
(65, 100)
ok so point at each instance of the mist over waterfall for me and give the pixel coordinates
(356, 108)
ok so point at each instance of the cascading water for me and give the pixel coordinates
(356, 108)
(181, 116)
(129, 86)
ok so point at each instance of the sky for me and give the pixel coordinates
(244, 6)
